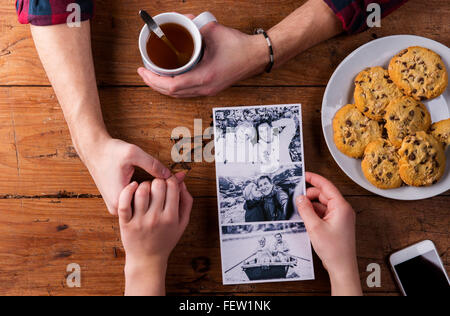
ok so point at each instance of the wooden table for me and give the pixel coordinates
(51, 213)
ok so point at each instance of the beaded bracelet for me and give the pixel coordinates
(269, 42)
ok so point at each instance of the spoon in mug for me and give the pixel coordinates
(183, 59)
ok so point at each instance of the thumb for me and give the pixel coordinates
(151, 165)
(307, 212)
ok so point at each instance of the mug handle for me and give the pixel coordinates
(204, 18)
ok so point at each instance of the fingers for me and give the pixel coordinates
(197, 82)
(186, 202)
(207, 28)
(149, 164)
(307, 212)
(172, 198)
(155, 81)
(321, 210)
(324, 186)
(158, 193)
(180, 176)
(171, 86)
(141, 199)
(314, 193)
(126, 196)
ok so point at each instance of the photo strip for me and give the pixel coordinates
(259, 173)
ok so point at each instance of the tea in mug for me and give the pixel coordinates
(161, 54)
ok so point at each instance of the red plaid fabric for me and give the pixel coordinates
(49, 12)
(353, 13)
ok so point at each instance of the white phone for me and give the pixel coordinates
(418, 270)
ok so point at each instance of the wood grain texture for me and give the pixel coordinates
(47, 164)
(51, 213)
(40, 159)
(40, 237)
(116, 28)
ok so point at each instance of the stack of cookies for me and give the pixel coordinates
(390, 128)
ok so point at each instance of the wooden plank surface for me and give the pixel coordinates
(48, 165)
(42, 222)
(40, 237)
(116, 28)
(41, 152)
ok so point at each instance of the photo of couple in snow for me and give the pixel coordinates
(266, 136)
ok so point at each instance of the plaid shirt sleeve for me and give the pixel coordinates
(353, 13)
(49, 12)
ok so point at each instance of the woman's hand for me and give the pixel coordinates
(151, 229)
(330, 222)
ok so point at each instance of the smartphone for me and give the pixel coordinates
(418, 270)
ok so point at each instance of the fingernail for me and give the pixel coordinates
(180, 176)
(167, 173)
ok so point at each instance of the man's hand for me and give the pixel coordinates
(229, 56)
(330, 222)
(111, 164)
(67, 58)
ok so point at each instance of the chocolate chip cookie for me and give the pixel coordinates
(353, 131)
(419, 72)
(374, 89)
(380, 164)
(441, 131)
(422, 160)
(405, 116)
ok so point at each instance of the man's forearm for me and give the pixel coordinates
(307, 26)
(67, 58)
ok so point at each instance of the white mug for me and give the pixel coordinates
(192, 26)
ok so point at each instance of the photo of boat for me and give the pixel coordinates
(266, 252)
(268, 271)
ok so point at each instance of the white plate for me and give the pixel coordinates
(339, 92)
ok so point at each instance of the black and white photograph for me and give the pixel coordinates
(259, 163)
(268, 136)
(260, 171)
(245, 195)
(267, 252)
